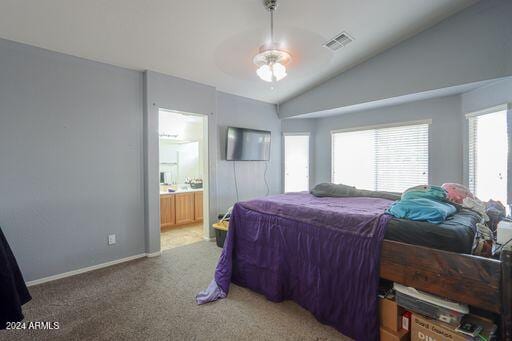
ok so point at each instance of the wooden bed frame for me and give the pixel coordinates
(483, 283)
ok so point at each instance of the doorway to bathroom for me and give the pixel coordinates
(183, 172)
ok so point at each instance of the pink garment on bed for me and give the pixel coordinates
(457, 192)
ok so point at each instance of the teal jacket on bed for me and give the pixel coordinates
(423, 203)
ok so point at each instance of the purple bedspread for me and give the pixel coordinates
(323, 253)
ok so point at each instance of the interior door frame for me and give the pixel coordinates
(205, 166)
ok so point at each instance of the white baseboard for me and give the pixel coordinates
(154, 254)
(89, 268)
(209, 239)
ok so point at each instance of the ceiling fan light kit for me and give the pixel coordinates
(271, 59)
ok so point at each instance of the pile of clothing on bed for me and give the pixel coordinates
(435, 204)
(443, 206)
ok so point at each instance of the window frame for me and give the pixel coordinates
(382, 126)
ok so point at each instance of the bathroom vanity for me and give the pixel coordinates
(181, 207)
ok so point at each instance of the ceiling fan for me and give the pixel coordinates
(271, 59)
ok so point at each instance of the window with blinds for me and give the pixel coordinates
(383, 158)
(488, 148)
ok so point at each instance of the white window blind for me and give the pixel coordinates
(488, 148)
(383, 159)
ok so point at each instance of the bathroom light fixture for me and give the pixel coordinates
(271, 59)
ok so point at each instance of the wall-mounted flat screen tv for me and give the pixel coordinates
(247, 144)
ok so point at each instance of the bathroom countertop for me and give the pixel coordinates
(183, 191)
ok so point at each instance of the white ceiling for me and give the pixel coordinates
(213, 42)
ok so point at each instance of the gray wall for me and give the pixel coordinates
(71, 166)
(471, 46)
(489, 96)
(445, 146)
(246, 113)
(497, 93)
(73, 141)
(172, 93)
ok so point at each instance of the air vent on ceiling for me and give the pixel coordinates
(341, 40)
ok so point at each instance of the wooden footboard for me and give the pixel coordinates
(480, 282)
(463, 278)
(506, 294)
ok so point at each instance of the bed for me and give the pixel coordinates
(327, 254)
(455, 234)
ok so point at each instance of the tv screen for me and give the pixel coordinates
(247, 145)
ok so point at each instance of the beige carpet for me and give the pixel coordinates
(178, 236)
(153, 299)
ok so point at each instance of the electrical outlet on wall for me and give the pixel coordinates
(111, 239)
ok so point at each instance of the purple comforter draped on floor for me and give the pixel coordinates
(323, 253)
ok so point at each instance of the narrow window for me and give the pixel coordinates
(296, 162)
(488, 148)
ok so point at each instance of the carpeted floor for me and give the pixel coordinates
(153, 299)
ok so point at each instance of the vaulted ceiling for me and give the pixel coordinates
(213, 42)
